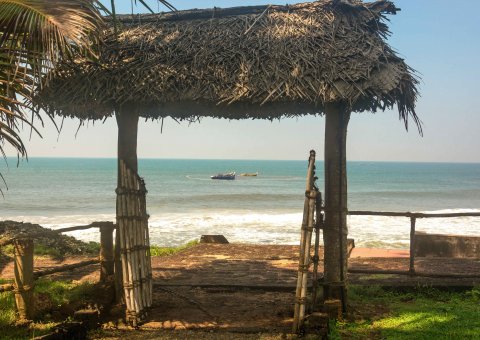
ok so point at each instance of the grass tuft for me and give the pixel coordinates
(166, 251)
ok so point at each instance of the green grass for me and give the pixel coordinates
(53, 294)
(165, 251)
(425, 313)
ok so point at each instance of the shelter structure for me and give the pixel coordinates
(328, 57)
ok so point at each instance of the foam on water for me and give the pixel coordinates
(173, 229)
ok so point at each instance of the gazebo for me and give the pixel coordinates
(327, 57)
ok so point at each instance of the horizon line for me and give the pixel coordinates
(238, 159)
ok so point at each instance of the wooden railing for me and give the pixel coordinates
(24, 272)
(413, 218)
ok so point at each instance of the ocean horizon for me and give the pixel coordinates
(184, 203)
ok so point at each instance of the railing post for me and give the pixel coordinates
(106, 253)
(24, 281)
(412, 245)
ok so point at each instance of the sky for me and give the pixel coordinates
(440, 39)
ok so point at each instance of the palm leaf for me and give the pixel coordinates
(34, 36)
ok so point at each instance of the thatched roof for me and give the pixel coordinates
(246, 62)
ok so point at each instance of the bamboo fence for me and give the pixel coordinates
(132, 222)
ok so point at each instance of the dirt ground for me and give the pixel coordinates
(246, 289)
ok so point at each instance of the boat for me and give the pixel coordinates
(228, 176)
(249, 174)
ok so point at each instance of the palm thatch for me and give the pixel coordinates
(261, 62)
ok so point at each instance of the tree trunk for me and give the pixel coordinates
(127, 122)
(335, 232)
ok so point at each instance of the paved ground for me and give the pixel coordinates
(250, 288)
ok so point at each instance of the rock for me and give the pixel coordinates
(220, 239)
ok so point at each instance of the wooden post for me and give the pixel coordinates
(335, 231)
(24, 281)
(119, 297)
(412, 245)
(106, 253)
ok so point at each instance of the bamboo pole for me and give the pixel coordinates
(146, 237)
(316, 258)
(132, 198)
(122, 224)
(303, 266)
(306, 261)
(24, 280)
(141, 244)
(125, 281)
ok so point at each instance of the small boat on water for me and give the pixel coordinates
(228, 176)
(249, 174)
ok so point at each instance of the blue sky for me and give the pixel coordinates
(440, 39)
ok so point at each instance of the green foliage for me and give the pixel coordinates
(7, 307)
(166, 251)
(424, 313)
(8, 249)
(40, 250)
(92, 247)
(56, 293)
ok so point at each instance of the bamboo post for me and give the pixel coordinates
(107, 260)
(304, 247)
(412, 245)
(134, 243)
(306, 260)
(24, 280)
(316, 258)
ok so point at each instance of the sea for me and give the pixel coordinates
(184, 203)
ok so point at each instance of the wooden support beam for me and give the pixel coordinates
(107, 259)
(412, 246)
(24, 280)
(335, 231)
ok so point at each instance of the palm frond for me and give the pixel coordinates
(34, 36)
